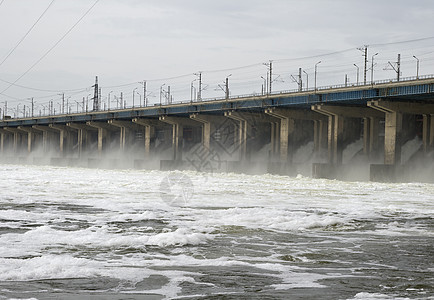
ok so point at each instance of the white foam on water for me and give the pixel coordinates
(47, 267)
(38, 239)
(101, 199)
(376, 296)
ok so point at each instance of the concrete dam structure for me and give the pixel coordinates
(382, 131)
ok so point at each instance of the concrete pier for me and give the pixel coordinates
(253, 134)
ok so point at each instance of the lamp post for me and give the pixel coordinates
(316, 71)
(264, 85)
(372, 68)
(140, 98)
(307, 80)
(417, 67)
(191, 90)
(108, 100)
(87, 102)
(357, 73)
(134, 91)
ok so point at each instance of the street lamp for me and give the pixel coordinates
(87, 102)
(108, 100)
(191, 90)
(417, 67)
(307, 80)
(134, 91)
(357, 73)
(161, 91)
(140, 98)
(264, 86)
(316, 69)
(372, 68)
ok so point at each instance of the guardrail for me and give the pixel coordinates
(293, 91)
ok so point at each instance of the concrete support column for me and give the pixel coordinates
(149, 132)
(210, 124)
(65, 138)
(48, 134)
(17, 138)
(393, 112)
(4, 140)
(346, 117)
(289, 135)
(82, 136)
(177, 133)
(244, 129)
(428, 133)
(125, 131)
(371, 136)
(275, 138)
(102, 128)
(30, 137)
(320, 135)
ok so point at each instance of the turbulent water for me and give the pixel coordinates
(71, 233)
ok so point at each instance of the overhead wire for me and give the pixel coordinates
(27, 33)
(249, 69)
(52, 48)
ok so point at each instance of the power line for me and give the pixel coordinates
(27, 33)
(41, 90)
(52, 48)
(404, 42)
(2, 2)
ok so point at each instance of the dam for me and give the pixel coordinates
(256, 133)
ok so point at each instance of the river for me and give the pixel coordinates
(77, 233)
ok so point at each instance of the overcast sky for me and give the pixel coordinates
(127, 41)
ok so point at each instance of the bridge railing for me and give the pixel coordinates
(292, 91)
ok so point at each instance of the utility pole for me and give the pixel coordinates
(227, 87)
(122, 100)
(63, 104)
(99, 98)
(365, 54)
(298, 80)
(199, 91)
(399, 66)
(33, 105)
(95, 95)
(270, 75)
(144, 93)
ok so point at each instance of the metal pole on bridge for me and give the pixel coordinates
(316, 69)
(417, 67)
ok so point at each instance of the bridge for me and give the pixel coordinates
(260, 133)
